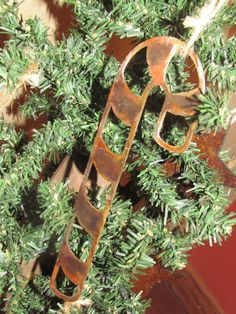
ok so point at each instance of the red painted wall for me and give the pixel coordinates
(216, 266)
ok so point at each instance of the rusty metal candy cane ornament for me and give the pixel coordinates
(127, 107)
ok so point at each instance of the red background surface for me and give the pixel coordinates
(217, 268)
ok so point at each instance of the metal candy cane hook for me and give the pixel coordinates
(127, 107)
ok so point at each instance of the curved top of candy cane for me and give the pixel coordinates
(160, 51)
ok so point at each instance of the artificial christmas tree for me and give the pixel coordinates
(69, 85)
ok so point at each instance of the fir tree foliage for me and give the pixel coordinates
(75, 76)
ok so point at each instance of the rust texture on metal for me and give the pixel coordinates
(127, 107)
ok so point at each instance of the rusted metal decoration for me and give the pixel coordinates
(127, 107)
